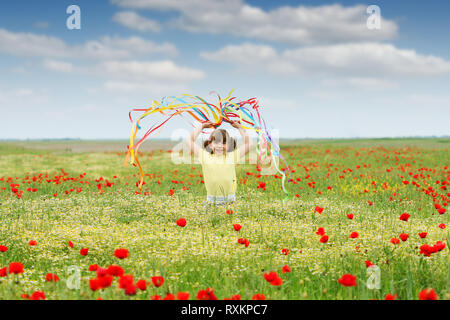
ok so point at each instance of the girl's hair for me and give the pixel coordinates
(220, 135)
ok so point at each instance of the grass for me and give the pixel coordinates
(205, 253)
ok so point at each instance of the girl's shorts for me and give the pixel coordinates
(219, 200)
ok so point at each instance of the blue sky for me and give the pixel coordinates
(316, 68)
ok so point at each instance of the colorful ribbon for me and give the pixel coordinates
(227, 109)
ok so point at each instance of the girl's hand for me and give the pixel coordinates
(207, 124)
(236, 125)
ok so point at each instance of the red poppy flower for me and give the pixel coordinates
(404, 217)
(439, 246)
(93, 267)
(285, 251)
(277, 281)
(142, 285)
(320, 231)
(181, 222)
(155, 297)
(368, 263)
(169, 296)
(94, 284)
(171, 192)
(324, 239)
(319, 210)
(116, 271)
(426, 250)
(125, 281)
(270, 276)
(286, 269)
(84, 251)
(273, 278)
(32, 243)
(390, 297)
(348, 280)
(395, 241)
(70, 244)
(350, 216)
(3, 272)
(121, 253)
(182, 295)
(51, 277)
(38, 295)
(428, 294)
(423, 235)
(15, 267)
(3, 249)
(105, 281)
(157, 281)
(237, 227)
(229, 211)
(404, 236)
(259, 296)
(261, 185)
(101, 272)
(207, 294)
(354, 235)
(130, 290)
(442, 226)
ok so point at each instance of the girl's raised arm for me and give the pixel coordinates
(245, 148)
(190, 141)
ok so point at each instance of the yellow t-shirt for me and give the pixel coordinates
(219, 172)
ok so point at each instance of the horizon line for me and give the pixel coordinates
(165, 139)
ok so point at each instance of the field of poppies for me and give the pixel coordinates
(365, 219)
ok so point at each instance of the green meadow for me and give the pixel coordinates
(53, 192)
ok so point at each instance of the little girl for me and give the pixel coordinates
(218, 158)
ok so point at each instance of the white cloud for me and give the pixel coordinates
(30, 44)
(114, 58)
(139, 71)
(132, 20)
(60, 66)
(364, 83)
(125, 48)
(297, 25)
(184, 5)
(133, 75)
(368, 58)
(149, 87)
(249, 55)
(356, 60)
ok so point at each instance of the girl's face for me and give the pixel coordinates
(218, 147)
